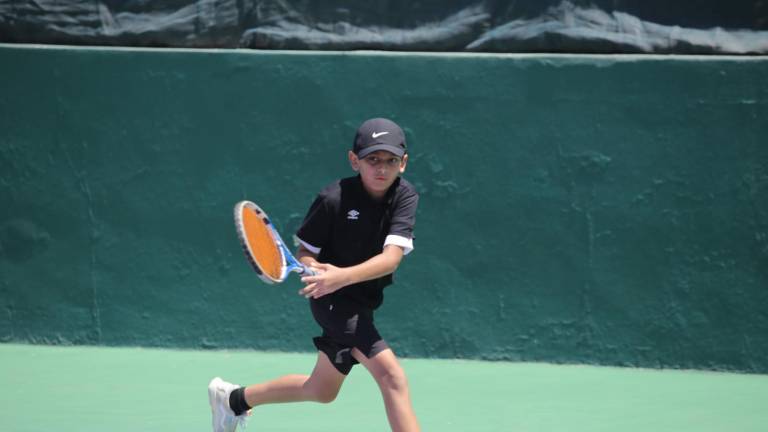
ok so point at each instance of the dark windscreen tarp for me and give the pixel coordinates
(607, 26)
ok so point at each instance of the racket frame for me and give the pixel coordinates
(289, 263)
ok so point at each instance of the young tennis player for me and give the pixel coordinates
(354, 236)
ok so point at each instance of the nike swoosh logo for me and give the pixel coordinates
(378, 134)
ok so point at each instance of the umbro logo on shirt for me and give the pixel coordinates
(353, 214)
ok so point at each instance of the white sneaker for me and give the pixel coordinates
(224, 419)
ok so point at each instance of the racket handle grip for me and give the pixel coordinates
(308, 271)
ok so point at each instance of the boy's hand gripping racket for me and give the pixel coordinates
(263, 246)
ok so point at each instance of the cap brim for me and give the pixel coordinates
(397, 151)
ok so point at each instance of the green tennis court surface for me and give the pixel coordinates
(131, 389)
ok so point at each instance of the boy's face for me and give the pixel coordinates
(378, 170)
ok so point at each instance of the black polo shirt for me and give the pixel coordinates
(345, 226)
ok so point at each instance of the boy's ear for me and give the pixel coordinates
(403, 163)
(354, 162)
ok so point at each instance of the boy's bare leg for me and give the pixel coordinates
(390, 377)
(322, 386)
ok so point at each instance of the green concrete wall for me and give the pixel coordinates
(586, 209)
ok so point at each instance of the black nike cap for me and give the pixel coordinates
(379, 134)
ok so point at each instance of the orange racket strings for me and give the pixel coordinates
(261, 244)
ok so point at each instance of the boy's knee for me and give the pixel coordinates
(326, 395)
(394, 380)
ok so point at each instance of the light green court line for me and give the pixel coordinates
(132, 389)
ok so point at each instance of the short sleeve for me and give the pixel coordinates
(316, 227)
(403, 220)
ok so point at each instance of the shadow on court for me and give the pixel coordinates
(132, 389)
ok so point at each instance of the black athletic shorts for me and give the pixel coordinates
(345, 325)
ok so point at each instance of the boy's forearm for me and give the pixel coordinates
(305, 256)
(380, 265)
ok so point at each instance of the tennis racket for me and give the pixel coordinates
(263, 246)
